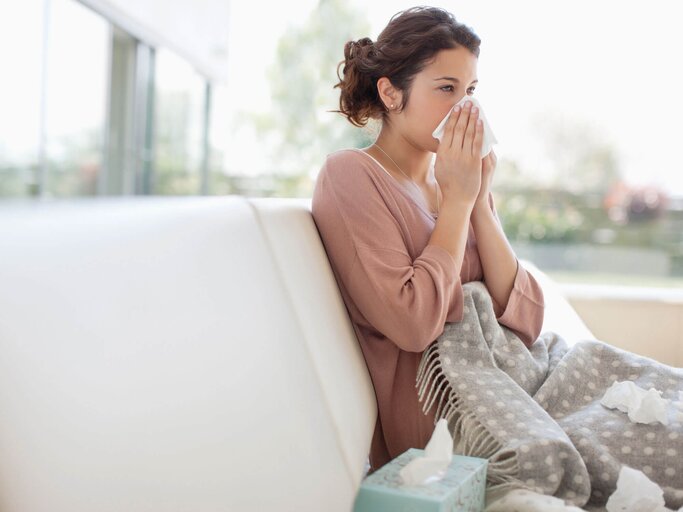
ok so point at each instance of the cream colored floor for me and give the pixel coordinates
(648, 322)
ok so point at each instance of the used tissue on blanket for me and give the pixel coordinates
(641, 406)
(489, 138)
(436, 459)
(636, 493)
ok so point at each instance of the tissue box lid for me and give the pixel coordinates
(464, 480)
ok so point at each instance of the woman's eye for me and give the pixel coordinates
(449, 88)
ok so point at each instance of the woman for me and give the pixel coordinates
(403, 235)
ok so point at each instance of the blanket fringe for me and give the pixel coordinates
(471, 437)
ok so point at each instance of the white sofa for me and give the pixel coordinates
(182, 354)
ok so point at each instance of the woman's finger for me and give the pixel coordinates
(460, 127)
(450, 126)
(470, 131)
(478, 141)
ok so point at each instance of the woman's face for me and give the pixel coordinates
(435, 90)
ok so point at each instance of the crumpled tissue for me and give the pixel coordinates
(437, 457)
(489, 138)
(636, 493)
(640, 405)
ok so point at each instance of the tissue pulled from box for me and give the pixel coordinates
(436, 459)
(635, 492)
(641, 406)
(489, 138)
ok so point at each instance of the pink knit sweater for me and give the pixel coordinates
(398, 290)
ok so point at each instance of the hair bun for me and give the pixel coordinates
(357, 47)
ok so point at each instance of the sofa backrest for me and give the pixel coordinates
(187, 353)
(328, 333)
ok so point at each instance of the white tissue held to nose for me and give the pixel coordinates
(432, 466)
(641, 406)
(489, 138)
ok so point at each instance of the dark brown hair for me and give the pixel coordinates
(405, 47)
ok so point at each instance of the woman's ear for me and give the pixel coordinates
(388, 94)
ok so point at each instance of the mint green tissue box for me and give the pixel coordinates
(460, 489)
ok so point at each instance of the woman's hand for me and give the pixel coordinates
(488, 167)
(458, 165)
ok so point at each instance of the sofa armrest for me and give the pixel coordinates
(559, 316)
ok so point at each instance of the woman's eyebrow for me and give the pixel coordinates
(453, 79)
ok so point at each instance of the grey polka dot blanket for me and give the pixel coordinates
(535, 413)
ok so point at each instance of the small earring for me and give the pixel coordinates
(392, 105)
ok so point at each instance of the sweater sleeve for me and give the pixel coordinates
(406, 300)
(525, 308)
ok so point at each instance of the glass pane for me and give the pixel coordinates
(585, 186)
(21, 35)
(77, 74)
(280, 89)
(588, 182)
(220, 183)
(178, 114)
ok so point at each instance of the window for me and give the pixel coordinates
(585, 113)
(21, 43)
(89, 109)
(585, 110)
(179, 96)
(76, 97)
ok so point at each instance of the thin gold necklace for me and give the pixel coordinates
(411, 181)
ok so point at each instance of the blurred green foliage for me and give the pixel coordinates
(299, 126)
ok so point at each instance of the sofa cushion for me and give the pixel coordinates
(151, 359)
(559, 316)
(331, 341)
